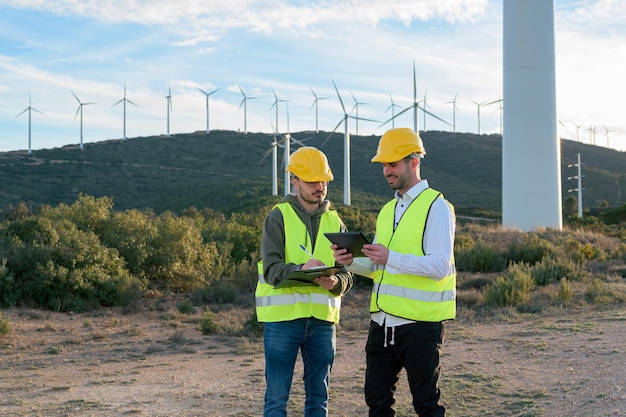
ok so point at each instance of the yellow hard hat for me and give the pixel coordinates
(398, 143)
(310, 165)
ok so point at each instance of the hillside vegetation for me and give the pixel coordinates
(224, 171)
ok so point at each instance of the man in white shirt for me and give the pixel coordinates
(412, 265)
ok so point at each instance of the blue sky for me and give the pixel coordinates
(49, 48)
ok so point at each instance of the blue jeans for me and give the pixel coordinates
(316, 339)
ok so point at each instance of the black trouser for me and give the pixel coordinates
(416, 348)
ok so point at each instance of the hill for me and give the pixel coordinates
(224, 170)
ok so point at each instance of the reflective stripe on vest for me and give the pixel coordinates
(282, 304)
(408, 296)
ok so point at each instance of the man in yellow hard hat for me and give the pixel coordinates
(300, 318)
(412, 265)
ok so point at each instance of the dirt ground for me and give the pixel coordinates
(571, 363)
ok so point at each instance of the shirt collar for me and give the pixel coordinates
(413, 191)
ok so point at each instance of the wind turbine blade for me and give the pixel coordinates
(77, 111)
(266, 153)
(24, 111)
(34, 109)
(333, 131)
(117, 103)
(340, 100)
(202, 91)
(131, 102)
(433, 115)
(300, 141)
(362, 118)
(397, 114)
(75, 96)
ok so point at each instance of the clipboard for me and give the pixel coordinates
(353, 241)
(306, 277)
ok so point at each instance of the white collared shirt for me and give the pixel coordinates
(438, 248)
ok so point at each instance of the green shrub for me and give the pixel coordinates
(511, 289)
(57, 266)
(565, 290)
(185, 307)
(8, 291)
(530, 250)
(551, 270)
(597, 293)
(5, 326)
(208, 324)
(218, 292)
(481, 257)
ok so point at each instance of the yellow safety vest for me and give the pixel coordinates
(408, 296)
(283, 304)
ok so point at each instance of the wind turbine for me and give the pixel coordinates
(479, 105)
(392, 106)
(169, 107)
(356, 107)
(564, 127)
(275, 106)
(415, 106)
(274, 150)
(577, 131)
(285, 143)
(499, 101)
(606, 133)
(124, 100)
(425, 107)
(454, 109)
(244, 103)
(29, 109)
(346, 147)
(592, 134)
(287, 153)
(207, 104)
(315, 103)
(80, 109)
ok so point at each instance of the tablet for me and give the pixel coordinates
(353, 241)
(306, 276)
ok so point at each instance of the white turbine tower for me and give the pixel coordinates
(392, 107)
(29, 109)
(316, 105)
(531, 195)
(275, 106)
(168, 97)
(479, 105)
(244, 103)
(499, 110)
(577, 131)
(80, 110)
(606, 134)
(416, 106)
(274, 150)
(356, 107)
(346, 147)
(454, 109)
(124, 100)
(425, 108)
(207, 95)
(284, 142)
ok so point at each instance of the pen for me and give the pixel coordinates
(307, 251)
